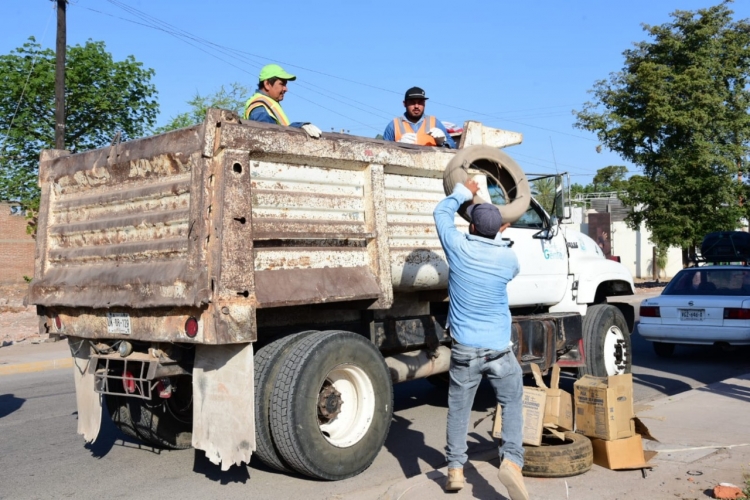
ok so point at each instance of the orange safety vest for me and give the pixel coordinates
(402, 126)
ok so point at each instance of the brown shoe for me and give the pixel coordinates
(455, 479)
(511, 477)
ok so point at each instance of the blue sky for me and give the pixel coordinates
(521, 65)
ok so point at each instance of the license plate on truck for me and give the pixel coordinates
(691, 314)
(118, 323)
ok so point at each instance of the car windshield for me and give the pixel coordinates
(699, 281)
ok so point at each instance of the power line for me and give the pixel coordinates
(155, 23)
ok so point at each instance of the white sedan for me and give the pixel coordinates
(700, 305)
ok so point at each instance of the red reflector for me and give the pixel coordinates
(650, 312)
(191, 327)
(58, 323)
(736, 313)
(128, 382)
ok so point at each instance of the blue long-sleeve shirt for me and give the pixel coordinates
(260, 114)
(390, 133)
(479, 272)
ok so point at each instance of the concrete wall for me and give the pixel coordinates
(16, 247)
(636, 252)
(634, 248)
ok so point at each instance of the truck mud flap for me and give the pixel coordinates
(223, 403)
(88, 401)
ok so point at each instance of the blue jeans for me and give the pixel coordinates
(468, 364)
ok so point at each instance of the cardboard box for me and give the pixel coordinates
(604, 406)
(558, 411)
(534, 401)
(620, 454)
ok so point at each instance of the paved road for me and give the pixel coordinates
(43, 457)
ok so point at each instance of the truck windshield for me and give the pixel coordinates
(533, 218)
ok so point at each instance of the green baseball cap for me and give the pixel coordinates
(274, 70)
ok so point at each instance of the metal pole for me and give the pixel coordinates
(60, 76)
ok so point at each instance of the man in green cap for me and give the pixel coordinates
(264, 105)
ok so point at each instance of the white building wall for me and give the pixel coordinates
(634, 248)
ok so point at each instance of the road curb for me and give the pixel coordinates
(36, 366)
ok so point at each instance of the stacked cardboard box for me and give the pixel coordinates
(604, 413)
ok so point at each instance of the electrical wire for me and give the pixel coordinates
(155, 23)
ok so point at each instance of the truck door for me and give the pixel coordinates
(544, 262)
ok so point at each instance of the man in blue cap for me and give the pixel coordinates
(414, 127)
(264, 105)
(480, 265)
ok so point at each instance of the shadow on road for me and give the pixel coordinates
(729, 390)
(235, 474)
(408, 447)
(9, 403)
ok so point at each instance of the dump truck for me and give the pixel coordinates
(241, 288)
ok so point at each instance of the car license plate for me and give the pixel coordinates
(118, 323)
(692, 314)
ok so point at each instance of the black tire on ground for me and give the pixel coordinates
(663, 349)
(166, 423)
(559, 459)
(503, 168)
(606, 342)
(332, 405)
(120, 415)
(268, 360)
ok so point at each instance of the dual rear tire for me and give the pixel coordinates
(330, 407)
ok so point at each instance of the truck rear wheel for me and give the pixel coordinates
(268, 361)
(606, 341)
(558, 459)
(165, 423)
(332, 405)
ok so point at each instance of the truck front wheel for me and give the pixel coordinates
(332, 405)
(606, 341)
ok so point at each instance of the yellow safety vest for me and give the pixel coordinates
(274, 108)
(402, 126)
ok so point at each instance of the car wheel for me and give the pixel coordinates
(606, 341)
(663, 349)
(332, 405)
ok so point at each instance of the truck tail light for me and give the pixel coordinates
(650, 312)
(191, 327)
(58, 322)
(736, 313)
(128, 382)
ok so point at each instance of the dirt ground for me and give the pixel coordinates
(18, 323)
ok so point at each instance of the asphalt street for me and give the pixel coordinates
(43, 457)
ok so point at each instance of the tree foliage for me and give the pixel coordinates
(679, 110)
(102, 97)
(232, 99)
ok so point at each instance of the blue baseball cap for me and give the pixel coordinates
(486, 218)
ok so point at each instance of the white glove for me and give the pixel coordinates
(311, 130)
(438, 135)
(409, 138)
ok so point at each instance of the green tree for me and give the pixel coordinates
(102, 97)
(544, 192)
(232, 99)
(679, 111)
(610, 178)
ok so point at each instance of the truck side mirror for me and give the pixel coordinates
(560, 207)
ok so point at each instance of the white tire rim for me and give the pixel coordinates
(614, 341)
(357, 408)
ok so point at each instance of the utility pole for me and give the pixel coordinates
(60, 76)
